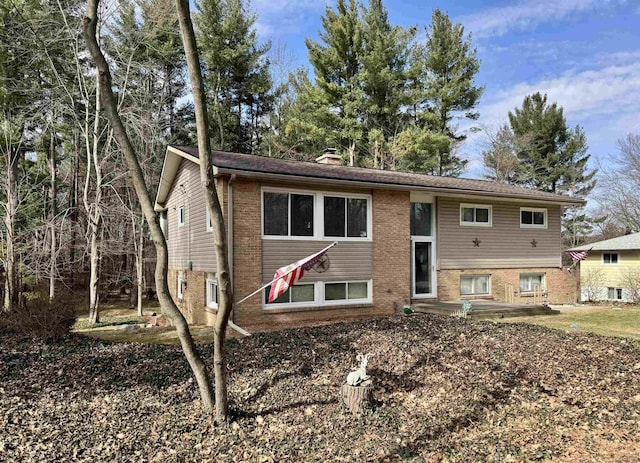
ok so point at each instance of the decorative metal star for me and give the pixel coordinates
(476, 243)
(534, 243)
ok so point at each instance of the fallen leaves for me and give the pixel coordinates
(445, 390)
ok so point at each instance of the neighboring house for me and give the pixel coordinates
(611, 271)
(403, 237)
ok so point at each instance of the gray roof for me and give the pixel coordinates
(621, 243)
(283, 167)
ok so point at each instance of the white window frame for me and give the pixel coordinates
(615, 290)
(534, 209)
(474, 223)
(212, 293)
(543, 282)
(319, 299)
(318, 215)
(366, 300)
(617, 254)
(291, 305)
(473, 285)
(208, 223)
(179, 292)
(182, 215)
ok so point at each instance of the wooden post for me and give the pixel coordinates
(356, 398)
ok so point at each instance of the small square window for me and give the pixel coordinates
(475, 215)
(610, 258)
(533, 218)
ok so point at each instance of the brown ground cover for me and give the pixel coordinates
(446, 390)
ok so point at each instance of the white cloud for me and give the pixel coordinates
(528, 15)
(280, 17)
(610, 90)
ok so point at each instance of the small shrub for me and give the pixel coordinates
(41, 317)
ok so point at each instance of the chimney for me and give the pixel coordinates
(329, 156)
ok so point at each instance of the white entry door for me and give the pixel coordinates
(423, 256)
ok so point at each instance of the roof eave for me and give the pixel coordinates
(394, 186)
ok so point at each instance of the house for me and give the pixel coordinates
(402, 238)
(611, 270)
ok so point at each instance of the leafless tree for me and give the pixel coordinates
(90, 25)
(591, 282)
(631, 282)
(619, 187)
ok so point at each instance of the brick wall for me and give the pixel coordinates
(247, 250)
(391, 250)
(561, 285)
(193, 302)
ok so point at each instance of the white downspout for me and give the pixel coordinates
(230, 233)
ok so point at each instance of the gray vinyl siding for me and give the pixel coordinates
(503, 245)
(192, 242)
(349, 260)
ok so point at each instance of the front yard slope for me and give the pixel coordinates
(446, 390)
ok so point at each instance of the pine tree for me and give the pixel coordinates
(337, 64)
(555, 157)
(444, 72)
(237, 78)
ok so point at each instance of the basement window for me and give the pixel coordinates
(530, 282)
(614, 294)
(472, 285)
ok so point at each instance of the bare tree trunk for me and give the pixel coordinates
(140, 266)
(53, 193)
(11, 207)
(169, 308)
(352, 154)
(94, 215)
(225, 299)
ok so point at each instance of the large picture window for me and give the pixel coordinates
(288, 214)
(315, 215)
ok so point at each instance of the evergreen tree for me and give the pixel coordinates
(555, 157)
(444, 73)
(337, 64)
(237, 78)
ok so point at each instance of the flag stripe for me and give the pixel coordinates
(280, 284)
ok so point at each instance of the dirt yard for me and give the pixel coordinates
(446, 390)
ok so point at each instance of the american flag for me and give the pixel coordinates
(577, 256)
(289, 274)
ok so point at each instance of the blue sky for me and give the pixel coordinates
(584, 53)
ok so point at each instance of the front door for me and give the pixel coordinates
(423, 262)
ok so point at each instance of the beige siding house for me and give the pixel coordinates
(402, 238)
(611, 270)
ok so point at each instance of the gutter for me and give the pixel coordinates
(394, 186)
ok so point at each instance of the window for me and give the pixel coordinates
(615, 294)
(315, 215)
(420, 219)
(212, 293)
(533, 218)
(299, 295)
(475, 285)
(209, 223)
(288, 214)
(346, 217)
(609, 258)
(346, 291)
(531, 282)
(180, 286)
(181, 216)
(475, 215)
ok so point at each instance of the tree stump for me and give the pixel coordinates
(356, 398)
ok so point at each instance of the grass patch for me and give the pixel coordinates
(623, 322)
